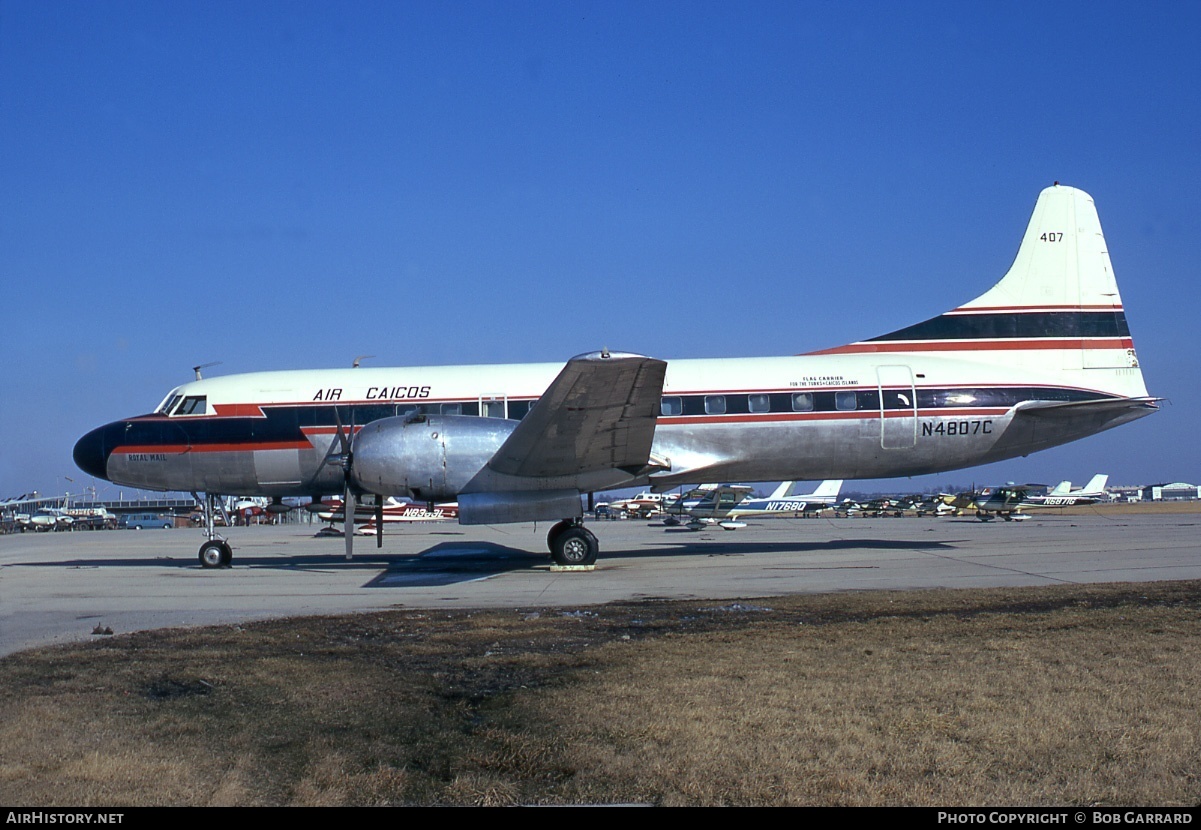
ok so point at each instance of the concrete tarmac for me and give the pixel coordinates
(58, 587)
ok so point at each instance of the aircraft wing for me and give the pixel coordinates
(598, 414)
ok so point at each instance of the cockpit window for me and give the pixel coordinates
(168, 403)
(192, 405)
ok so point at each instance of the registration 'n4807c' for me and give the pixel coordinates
(942, 428)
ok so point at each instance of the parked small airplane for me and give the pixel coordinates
(726, 504)
(394, 511)
(1005, 502)
(49, 518)
(1064, 496)
(1009, 501)
(882, 506)
(643, 505)
(1043, 358)
(923, 505)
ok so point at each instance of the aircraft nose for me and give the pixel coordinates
(91, 453)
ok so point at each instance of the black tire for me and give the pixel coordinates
(555, 530)
(575, 546)
(215, 554)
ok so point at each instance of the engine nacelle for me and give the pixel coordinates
(427, 457)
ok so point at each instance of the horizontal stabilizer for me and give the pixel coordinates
(1037, 425)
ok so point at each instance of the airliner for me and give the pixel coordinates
(1042, 358)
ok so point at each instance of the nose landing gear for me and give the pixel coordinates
(216, 552)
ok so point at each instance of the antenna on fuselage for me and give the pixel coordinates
(197, 369)
(361, 357)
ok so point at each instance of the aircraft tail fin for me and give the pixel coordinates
(1096, 485)
(1060, 489)
(1057, 308)
(783, 491)
(1062, 263)
(828, 489)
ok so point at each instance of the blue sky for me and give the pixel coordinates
(289, 185)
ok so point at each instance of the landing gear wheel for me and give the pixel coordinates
(215, 554)
(575, 546)
(556, 529)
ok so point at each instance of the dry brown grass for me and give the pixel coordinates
(1068, 695)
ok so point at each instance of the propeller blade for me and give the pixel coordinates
(348, 507)
(347, 464)
(336, 453)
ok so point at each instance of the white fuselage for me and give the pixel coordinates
(756, 419)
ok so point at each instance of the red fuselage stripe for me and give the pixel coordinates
(179, 449)
(862, 414)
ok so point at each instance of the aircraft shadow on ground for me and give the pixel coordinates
(712, 547)
(467, 560)
(448, 563)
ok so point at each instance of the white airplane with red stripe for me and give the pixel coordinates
(1042, 358)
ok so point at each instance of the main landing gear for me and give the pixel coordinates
(571, 544)
(216, 552)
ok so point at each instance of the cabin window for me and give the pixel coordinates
(492, 409)
(671, 406)
(192, 405)
(759, 403)
(452, 409)
(845, 400)
(715, 404)
(802, 402)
